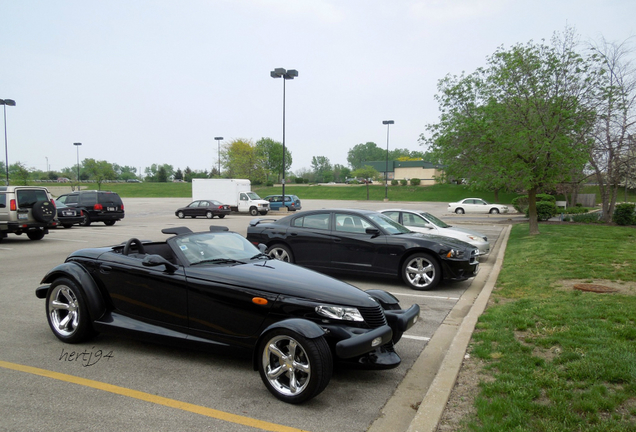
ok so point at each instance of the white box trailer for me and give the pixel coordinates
(237, 193)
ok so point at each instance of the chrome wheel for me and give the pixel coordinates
(293, 368)
(421, 272)
(64, 311)
(286, 365)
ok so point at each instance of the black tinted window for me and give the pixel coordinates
(87, 198)
(3, 200)
(109, 198)
(27, 198)
(70, 199)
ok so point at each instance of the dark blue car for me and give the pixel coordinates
(292, 202)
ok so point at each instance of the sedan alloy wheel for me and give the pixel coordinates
(281, 253)
(421, 272)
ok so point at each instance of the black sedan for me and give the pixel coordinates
(365, 242)
(68, 216)
(207, 208)
(215, 290)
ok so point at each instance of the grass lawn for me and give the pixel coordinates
(555, 358)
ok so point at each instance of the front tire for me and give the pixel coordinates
(494, 211)
(253, 211)
(67, 313)
(281, 253)
(209, 215)
(293, 368)
(421, 271)
(180, 215)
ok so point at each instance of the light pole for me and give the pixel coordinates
(4, 103)
(77, 145)
(286, 75)
(218, 141)
(386, 172)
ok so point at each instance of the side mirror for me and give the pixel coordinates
(157, 260)
(373, 231)
(262, 248)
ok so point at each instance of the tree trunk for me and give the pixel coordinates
(532, 211)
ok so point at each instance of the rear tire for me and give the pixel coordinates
(109, 223)
(86, 221)
(35, 234)
(281, 253)
(459, 211)
(293, 368)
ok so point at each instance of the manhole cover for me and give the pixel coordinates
(595, 288)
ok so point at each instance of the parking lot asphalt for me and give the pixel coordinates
(118, 383)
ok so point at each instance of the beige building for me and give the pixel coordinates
(407, 170)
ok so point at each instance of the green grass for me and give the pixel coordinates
(559, 359)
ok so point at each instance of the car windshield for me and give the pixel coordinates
(388, 224)
(440, 223)
(59, 204)
(252, 195)
(217, 248)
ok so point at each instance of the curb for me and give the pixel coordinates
(434, 403)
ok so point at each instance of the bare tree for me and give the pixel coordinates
(612, 153)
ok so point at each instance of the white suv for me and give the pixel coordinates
(26, 209)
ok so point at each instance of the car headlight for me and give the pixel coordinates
(340, 313)
(455, 253)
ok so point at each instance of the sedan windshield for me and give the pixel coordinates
(440, 223)
(388, 224)
(216, 248)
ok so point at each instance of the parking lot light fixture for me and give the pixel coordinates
(386, 171)
(77, 145)
(286, 75)
(4, 103)
(218, 141)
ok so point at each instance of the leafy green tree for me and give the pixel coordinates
(240, 160)
(99, 171)
(178, 175)
(125, 172)
(162, 174)
(519, 122)
(270, 155)
(322, 169)
(362, 153)
(152, 172)
(18, 173)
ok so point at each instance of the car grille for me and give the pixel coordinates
(373, 316)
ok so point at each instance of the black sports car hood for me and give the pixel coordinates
(279, 277)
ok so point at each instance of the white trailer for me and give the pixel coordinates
(237, 193)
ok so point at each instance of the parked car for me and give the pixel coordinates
(68, 216)
(26, 210)
(476, 205)
(218, 290)
(207, 208)
(364, 242)
(426, 223)
(292, 202)
(96, 206)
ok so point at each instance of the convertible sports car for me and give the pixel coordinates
(215, 289)
(365, 242)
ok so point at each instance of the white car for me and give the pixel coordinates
(426, 223)
(476, 205)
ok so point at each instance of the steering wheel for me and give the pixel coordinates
(137, 245)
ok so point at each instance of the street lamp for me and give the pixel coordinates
(386, 172)
(4, 103)
(286, 75)
(77, 146)
(218, 141)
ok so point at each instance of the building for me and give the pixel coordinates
(406, 170)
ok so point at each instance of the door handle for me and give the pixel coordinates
(105, 269)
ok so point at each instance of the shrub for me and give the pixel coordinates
(403, 182)
(624, 214)
(587, 217)
(415, 182)
(299, 180)
(394, 182)
(546, 210)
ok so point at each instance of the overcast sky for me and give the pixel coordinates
(139, 82)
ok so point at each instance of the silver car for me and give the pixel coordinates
(426, 223)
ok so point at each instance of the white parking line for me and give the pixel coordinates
(2, 248)
(420, 338)
(425, 296)
(67, 240)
